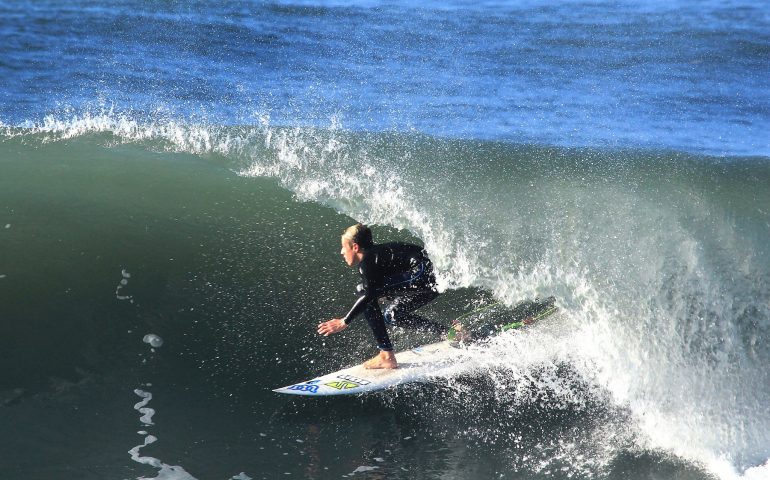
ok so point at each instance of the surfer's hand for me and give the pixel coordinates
(332, 326)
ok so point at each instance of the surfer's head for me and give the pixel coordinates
(355, 240)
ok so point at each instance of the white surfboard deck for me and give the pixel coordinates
(417, 365)
(420, 364)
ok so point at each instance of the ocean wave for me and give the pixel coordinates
(659, 259)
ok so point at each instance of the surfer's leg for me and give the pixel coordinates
(386, 358)
(399, 313)
(376, 321)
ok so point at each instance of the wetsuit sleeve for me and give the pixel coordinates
(370, 277)
(357, 309)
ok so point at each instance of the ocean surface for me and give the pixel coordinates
(175, 176)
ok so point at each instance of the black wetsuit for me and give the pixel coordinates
(403, 273)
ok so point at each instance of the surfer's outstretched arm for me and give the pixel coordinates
(338, 324)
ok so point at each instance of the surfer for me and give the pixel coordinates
(400, 272)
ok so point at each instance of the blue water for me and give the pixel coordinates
(689, 76)
(184, 170)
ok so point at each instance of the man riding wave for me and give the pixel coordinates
(400, 272)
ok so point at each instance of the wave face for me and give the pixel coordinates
(659, 261)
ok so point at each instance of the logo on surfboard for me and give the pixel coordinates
(346, 382)
(303, 387)
(353, 379)
(311, 386)
(342, 384)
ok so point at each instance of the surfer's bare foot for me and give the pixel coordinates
(383, 360)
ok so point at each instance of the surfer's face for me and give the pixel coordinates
(350, 252)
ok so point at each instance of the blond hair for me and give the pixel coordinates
(360, 234)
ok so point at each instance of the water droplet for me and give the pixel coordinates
(153, 340)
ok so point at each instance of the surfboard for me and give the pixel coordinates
(419, 364)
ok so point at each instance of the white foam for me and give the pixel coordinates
(134, 452)
(760, 472)
(153, 340)
(165, 472)
(725, 470)
(121, 285)
(147, 413)
(362, 469)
